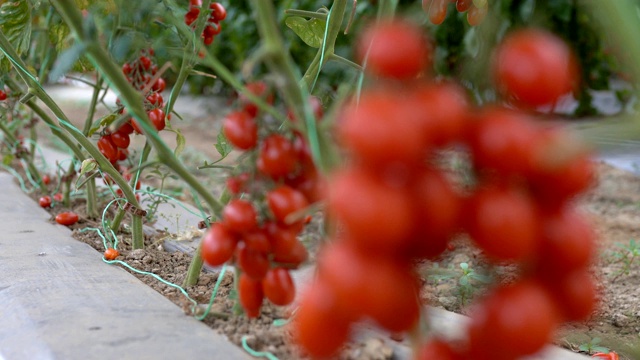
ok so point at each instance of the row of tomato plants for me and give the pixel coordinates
(388, 206)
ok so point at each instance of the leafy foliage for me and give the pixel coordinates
(15, 23)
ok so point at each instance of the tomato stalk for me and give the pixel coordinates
(63, 121)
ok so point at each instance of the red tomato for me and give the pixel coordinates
(120, 140)
(67, 218)
(503, 222)
(218, 245)
(611, 355)
(250, 295)
(159, 85)
(145, 62)
(438, 11)
(285, 246)
(278, 286)
(46, 179)
(502, 140)
(463, 5)
(277, 157)
(375, 216)
(436, 212)
(236, 184)
(260, 89)
(356, 279)
(437, 349)
(574, 293)
(218, 12)
(567, 242)
(111, 254)
(239, 216)
(126, 129)
(157, 118)
(383, 129)
(253, 263)
(241, 130)
(535, 67)
(514, 321)
(107, 148)
(45, 201)
(284, 200)
(58, 197)
(126, 68)
(319, 326)
(442, 110)
(395, 49)
(257, 240)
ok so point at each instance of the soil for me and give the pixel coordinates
(614, 205)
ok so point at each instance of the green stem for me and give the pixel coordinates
(387, 9)
(195, 267)
(345, 61)
(29, 159)
(117, 220)
(132, 99)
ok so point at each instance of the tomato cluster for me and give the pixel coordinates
(140, 72)
(437, 10)
(393, 206)
(213, 27)
(260, 236)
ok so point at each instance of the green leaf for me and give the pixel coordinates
(180, 141)
(223, 146)
(15, 23)
(65, 61)
(464, 281)
(601, 349)
(464, 266)
(584, 347)
(310, 31)
(7, 159)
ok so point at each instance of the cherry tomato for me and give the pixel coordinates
(574, 293)
(218, 245)
(319, 326)
(145, 62)
(567, 242)
(250, 295)
(257, 240)
(442, 112)
(46, 179)
(253, 263)
(107, 148)
(277, 157)
(503, 141)
(120, 140)
(354, 199)
(58, 197)
(611, 355)
(438, 11)
(284, 200)
(157, 118)
(503, 222)
(159, 85)
(126, 129)
(437, 349)
(356, 279)
(239, 216)
(259, 89)
(191, 16)
(463, 5)
(278, 286)
(534, 67)
(514, 321)
(437, 209)
(45, 201)
(383, 129)
(394, 49)
(126, 68)
(218, 12)
(111, 254)
(67, 218)
(236, 184)
(241, 130)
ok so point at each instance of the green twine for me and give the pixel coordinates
(214, 293)
(252, 352)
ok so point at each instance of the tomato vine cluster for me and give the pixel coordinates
(140, 72)
(393, 206)
(260, 235)
(213, 26)
(437, 10)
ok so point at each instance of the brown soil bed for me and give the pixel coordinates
(615, 208)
